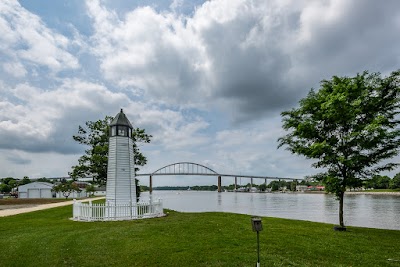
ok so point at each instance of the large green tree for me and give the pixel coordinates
(349, 127)
(94, 162)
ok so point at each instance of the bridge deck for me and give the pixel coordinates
(222, 175)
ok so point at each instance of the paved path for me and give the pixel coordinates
(10, 212)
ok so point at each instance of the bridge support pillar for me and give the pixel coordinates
(251, 183)
(219, 184)
(235, 183)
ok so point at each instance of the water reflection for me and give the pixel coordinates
(377, 211)
(235, 198)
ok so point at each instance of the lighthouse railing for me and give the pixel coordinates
(116, 212)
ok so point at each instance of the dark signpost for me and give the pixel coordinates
(257, 227)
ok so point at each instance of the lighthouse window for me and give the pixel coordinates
(113, 130)
(122, 131)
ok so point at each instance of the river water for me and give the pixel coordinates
(375, 211)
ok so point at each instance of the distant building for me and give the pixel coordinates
(35, 190)
(320, 188)
(316, 188)
(301, 188)
(99, 191)
(242, 189)
(44, 190)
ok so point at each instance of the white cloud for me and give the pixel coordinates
(15, 69)
(150, 51)
(41, 118)
(45, 120)
(24, 37)
(35, 165)
(176, 4)
(259, 56)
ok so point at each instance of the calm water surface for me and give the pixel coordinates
(376, 211)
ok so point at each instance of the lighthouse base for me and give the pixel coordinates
(119, 212)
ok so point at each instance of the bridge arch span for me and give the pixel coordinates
(185, 168)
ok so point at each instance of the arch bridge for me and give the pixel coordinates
(193, 169)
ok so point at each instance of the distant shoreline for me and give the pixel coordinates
(355, 193)
(303, 192)
(371, 193)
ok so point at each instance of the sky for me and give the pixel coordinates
(207, 79)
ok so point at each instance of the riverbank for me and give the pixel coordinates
(350, 192)
(188, 239)
(372, 193)
(397, 193)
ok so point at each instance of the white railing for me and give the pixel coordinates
(110, 212)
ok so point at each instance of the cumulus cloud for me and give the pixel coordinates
(45, 120)
(15, 69)
(40, 119)
(342, 37)
(257, 56)
(25, 38)
(149, 51)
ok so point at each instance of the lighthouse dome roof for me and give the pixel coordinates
(121, 119)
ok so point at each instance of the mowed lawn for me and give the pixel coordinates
(49, 238)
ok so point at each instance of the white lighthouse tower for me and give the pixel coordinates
(121, 203)
(121, 187)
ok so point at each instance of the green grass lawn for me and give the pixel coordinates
(49, 238)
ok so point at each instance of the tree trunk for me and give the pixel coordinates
(341, 196)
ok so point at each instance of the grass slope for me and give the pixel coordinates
(49, 238)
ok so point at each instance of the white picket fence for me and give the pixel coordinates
(108, 212)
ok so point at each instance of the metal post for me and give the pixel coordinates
(257, 227)
(258, 249)
(251, 183)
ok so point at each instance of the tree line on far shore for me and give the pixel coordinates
(376, 182)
